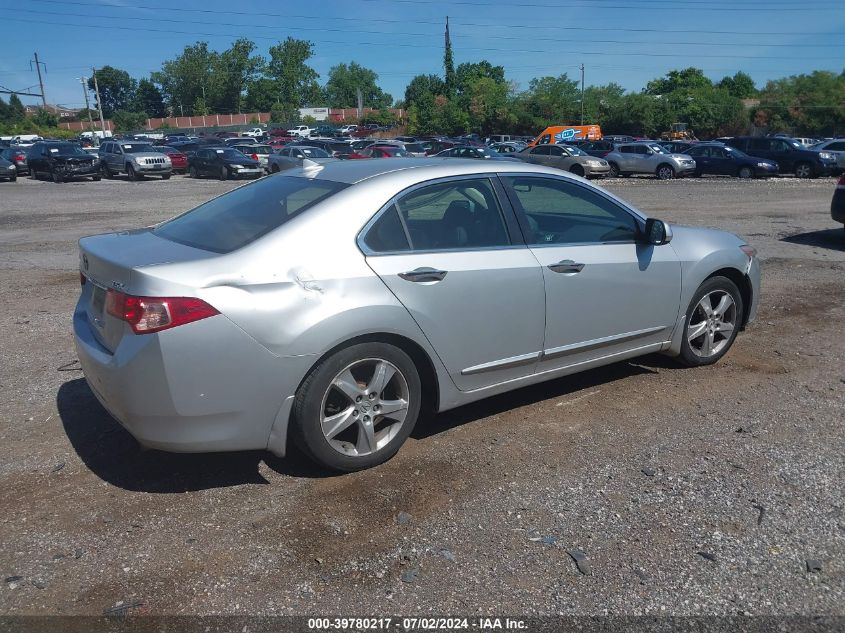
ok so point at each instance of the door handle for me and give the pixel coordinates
(423, 274)
(566, 266)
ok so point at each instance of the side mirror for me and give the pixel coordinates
(657, 232)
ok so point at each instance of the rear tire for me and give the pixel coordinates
(702, 329)
(347, 384)
(13, 178)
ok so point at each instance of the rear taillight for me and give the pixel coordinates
(255, 157)
(154, 314)
(20, 157)
(82, 279)
(842, 180)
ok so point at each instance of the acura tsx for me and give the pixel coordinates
(331, 304)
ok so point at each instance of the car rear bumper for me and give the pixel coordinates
(204, 386)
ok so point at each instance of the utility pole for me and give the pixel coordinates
(582, 94)
(99, 103)
(38, 65)
(95, 139)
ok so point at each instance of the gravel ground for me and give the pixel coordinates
(688, 491)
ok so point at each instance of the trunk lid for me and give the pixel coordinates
(108, 262)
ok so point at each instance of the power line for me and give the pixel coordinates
(406, 33)
(499, 24)
(407, 45)
(679, 5)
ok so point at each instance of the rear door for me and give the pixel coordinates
(540, 155)
(606, 293)
(450, 253)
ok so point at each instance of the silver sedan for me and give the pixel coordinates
(332, 304)
(567, 158)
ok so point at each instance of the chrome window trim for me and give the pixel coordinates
(505, 207)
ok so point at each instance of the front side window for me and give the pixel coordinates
(560, 212)
(459, 214)
(241, 216)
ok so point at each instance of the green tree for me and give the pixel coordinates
(149, 99)
(261, 95)
(16, 111)
(126, 121)
(279, 113)
(675, 80)
(294, 81)
(448, 63)
(232, 72)
(184, 79)
(552, 100)
(117, 89)
(469, 72)
(45, 118)
(346, 79)
(423, 86)
(807, 104)
(741, 85)
(4, 111)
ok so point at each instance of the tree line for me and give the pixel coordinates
(472, 97)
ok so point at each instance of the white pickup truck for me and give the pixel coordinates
(301, 130)
(255, 132)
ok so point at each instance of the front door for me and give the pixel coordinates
(450, 255)
(606, 292)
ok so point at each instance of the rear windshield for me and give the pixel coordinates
(240, 217)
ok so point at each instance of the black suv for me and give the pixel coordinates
(789, 154)
(62, 161)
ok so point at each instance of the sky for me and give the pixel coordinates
(625, 41)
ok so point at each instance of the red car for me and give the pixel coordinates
(177, 158)
(380, 151)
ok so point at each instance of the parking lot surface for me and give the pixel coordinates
(688, 491)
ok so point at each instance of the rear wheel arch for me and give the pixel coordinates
(422, 361)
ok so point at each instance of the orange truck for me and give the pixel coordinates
(567, 134)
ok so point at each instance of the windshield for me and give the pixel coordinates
(254, 149)
(136, 148)
(735, 152)
(793, 143)
(66, 148)
(230, 153)
(241, 216)
(313, 152)
(164, 149)
(574, 151)
(658, 149)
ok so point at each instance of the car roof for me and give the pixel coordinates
(355, 171)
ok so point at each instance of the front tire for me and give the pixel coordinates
(357, 407)
(224, 173)
(614, 170)
(192, 172)
(665, 172)
(577, 170)
(714, 317)
(803, 170)
(56, 176)
(131, 174)
(745, 172)
(95, 178)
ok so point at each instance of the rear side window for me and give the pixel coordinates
(240, 217)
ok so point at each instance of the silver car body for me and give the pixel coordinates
(291, 157)
(836, 147)
(566, 158)
(118, 157)
(647, 157)
(257, 151)
(499, 320)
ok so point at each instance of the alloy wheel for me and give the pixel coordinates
(364, 407)
(712, 324)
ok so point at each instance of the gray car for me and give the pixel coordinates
(567, 158)
(836, 147)
(133, 158)
(648, 157)
(331, 305)
(292, 157)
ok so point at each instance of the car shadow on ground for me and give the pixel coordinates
(558, 388)
(112, 454)
(826, 238)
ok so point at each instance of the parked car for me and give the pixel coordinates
(837, 205)
(677, 147)
(293, 157)
(62, 161)
(648, 158)
(342, 302)
(835, 146)
(348, 129)
(255, 132)
(301, 131)
(599, 149)
(806, 142)
(473, 152)
(791, 156)
(224, 163)
(567, 158)
(178, 160)
(334, 147)
(8, 171)
(380, 151)
(722, 160)
(258, 152)
(16, 156)
(507, 147)
(174, 138)
(137, 160)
